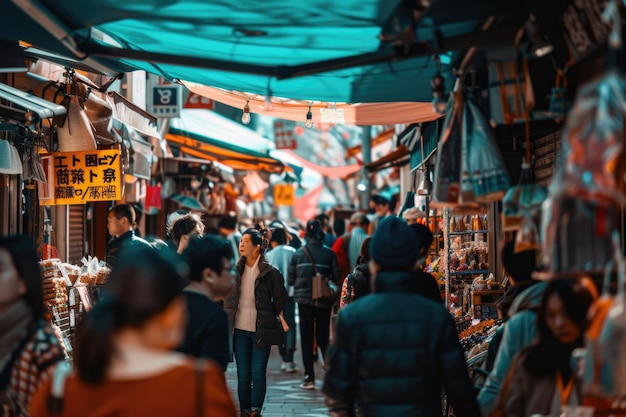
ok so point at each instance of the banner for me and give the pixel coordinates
(82, 177)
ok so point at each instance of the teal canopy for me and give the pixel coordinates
(337, 51)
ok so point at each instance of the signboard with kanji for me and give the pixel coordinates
(165, 100)
(283, 136)
(82, 177)
(196, 101)
(284, 195)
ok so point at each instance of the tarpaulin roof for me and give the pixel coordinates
(208, 135)
(307, 49)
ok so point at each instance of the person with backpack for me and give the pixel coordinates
(357, 283)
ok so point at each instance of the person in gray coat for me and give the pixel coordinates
(314, 315)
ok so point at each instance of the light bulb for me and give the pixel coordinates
(309, 119)
(269, 106)
(245, 117)
(439, 105)
(361, 186)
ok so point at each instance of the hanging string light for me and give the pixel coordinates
(269, 106)
(245, 117)
(309, 118)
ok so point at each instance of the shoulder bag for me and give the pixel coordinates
(324, 290)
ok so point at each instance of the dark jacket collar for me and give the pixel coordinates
(126, 235)
(395, 281)
(264, 266)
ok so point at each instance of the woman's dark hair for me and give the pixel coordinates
(364, 255)
(548, 355)
(279, 236)
(26, 261)
(142, 284)
(519, 265)
(259, 237)
(314, 230)
(206, 252)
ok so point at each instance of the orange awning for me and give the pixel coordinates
(360, 114)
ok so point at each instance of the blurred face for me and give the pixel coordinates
(167, 330)
(248, 249)
(222, 283)
(564, 329)
(117, 227)
(12, 286)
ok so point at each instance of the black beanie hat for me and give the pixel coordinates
(394, 245)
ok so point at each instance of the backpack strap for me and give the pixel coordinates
(308, 254)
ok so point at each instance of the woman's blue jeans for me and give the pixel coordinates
(251, 368)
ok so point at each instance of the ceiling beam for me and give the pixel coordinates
(490, 39)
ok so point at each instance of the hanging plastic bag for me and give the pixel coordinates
(76, 134)
(559, 102)
(524, 198)
(576, 233)
(604, 371)
(484, 177)
(447, 175)
(594, 137)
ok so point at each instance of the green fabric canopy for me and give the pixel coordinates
(270, 47)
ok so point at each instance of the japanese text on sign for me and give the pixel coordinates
(283, 195)
(81, 177)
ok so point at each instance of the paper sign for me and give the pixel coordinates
(82, 177)
(284, 195)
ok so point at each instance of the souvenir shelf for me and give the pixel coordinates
(465, 257)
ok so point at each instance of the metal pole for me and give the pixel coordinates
(366, 150)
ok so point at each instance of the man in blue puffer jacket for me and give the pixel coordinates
(395, 350)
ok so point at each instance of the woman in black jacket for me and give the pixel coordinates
(258, 297)
(314, 316)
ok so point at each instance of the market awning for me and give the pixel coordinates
(324, 170)
(379, 139)
(351, 51)
(208, 135)
(360, 114)
(26, 108)
(398, 157)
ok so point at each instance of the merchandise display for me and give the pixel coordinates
(68, 293)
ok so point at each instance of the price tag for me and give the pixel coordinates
(72, 297)
(72, 318)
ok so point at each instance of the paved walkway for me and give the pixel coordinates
(284, 396)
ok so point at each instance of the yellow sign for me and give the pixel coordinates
(82, 177)
(283, 195)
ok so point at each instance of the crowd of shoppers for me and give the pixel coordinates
(170, 321)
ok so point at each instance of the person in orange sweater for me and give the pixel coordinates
(124, 360)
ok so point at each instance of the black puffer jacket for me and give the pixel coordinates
(270, 296)
(301, 271)
(393, 352)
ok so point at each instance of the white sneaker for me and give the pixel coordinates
(290, 367)
(309, 385)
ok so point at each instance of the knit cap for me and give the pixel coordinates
(394, 244)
